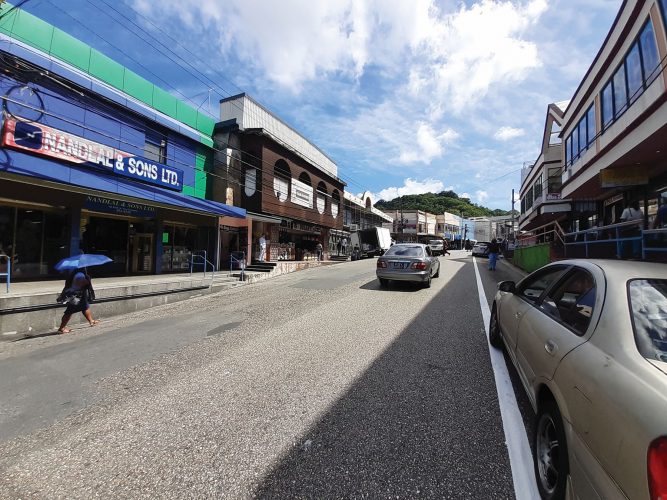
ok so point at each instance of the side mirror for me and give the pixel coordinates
(507, 286)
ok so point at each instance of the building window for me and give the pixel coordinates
(155, 147)
(568, 151)
(607, 105)
(649, 51)
(575, 144)
(590, 124)
(335, 204)
(555, 181)
(640, 67)
(321, 199)
(282, 177)
(633, 68)
(538, 187)
(620, 92)
(582, 135)
(663, 4)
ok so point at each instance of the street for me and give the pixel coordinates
(317, 384)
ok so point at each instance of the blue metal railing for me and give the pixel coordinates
(615, 240)
(8, 274)
(199, 258)
(653, 240)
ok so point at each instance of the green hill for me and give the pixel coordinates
(446, 201)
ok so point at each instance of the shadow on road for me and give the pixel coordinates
(422, 421)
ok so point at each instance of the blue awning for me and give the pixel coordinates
(16, 162)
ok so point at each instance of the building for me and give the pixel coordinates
(614, 145)
(361, 214)
(95, 158)
(290, 188)
(541, 181)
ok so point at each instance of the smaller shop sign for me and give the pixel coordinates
(622, 177)
(118, 207)
(47, 141)
(302, 194)
(553, 196)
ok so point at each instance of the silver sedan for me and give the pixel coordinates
(408, 262)
(589, 342)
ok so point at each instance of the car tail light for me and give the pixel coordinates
(657, 469)
(382, 264)
(419, 265)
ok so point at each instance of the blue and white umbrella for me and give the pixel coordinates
(82, 260)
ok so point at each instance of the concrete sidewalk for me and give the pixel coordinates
(31, 308)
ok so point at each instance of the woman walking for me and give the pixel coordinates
(77, 294)
(494, 250)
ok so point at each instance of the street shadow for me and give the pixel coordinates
(395, 286)
(422, 421)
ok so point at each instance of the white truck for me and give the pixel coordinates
(370, 242)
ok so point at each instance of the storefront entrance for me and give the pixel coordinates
(142, 253)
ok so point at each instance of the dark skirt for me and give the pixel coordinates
(80, 307)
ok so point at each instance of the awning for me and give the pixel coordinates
(90, 181)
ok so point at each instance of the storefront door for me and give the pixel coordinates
(141, 249)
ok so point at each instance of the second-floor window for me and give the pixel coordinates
(639, 68)
(155, 147)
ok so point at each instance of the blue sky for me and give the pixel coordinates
(405, 96)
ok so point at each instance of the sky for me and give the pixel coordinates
(406, 97)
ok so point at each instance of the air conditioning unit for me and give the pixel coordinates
(354, 227)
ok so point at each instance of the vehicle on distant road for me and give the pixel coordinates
(408, 262)
(481, 249)
(588, 339)
(371, 242)
(437, 246)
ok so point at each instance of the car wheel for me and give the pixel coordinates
(427, 283)
(384, 282)
(494, 329)
(551, 462)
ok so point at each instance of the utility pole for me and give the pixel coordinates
(512, 228)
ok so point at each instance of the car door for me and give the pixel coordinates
(431, 260)
(556, 326)
(513, 307)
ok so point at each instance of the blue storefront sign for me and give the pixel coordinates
(47, 141)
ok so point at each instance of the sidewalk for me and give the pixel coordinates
(30, 307)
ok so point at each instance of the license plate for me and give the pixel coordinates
(399, 265)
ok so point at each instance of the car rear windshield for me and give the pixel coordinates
(435, 242)
(406, 251)
(648, 303)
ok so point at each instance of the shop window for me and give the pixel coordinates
(620, 92)
(178, 244)
(155, 147)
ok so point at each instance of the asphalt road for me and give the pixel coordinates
(317, 384)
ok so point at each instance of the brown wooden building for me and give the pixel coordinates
(288, 186)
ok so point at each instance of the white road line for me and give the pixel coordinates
(521, 458)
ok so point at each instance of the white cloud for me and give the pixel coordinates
(507, 133)
(482, 196)
(427, 145)
(410, 186)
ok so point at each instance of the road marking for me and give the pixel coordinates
(518, 449)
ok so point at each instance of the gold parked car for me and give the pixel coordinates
(589, 341)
